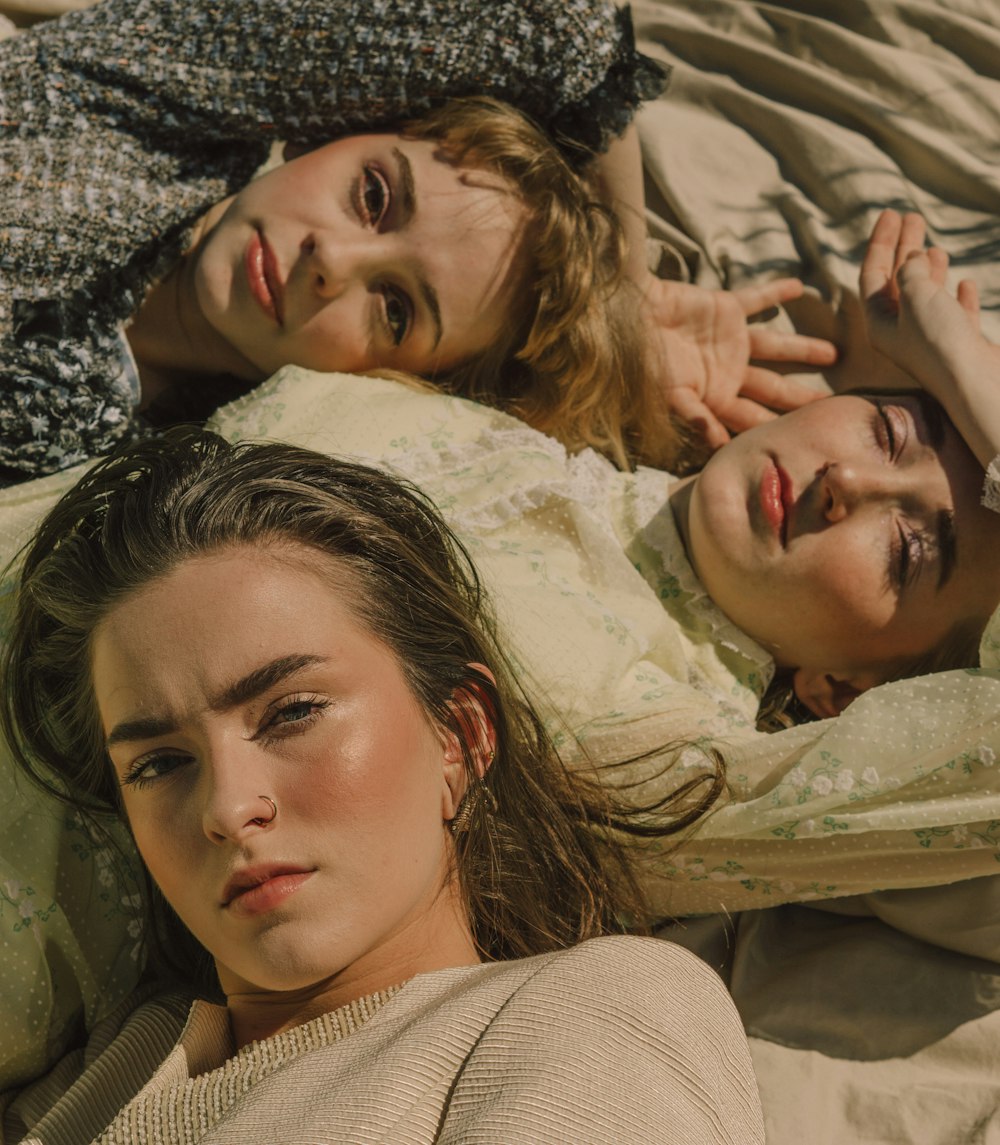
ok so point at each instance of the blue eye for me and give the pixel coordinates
(297, 715)
(296, 712)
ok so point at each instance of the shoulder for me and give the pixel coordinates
(606, 978)
(618, 1039)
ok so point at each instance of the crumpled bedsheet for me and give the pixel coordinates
(786, 129)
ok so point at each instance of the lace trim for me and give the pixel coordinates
(991, 486)
(587, 127)
(661, 533)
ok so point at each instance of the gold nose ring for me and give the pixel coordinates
(259, 819)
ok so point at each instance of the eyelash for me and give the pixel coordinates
(905, 549)
(267, 734)
(883, 422)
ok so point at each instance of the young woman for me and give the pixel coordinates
(278, 667)
(138, 270)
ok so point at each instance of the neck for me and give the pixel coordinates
(256, 1013)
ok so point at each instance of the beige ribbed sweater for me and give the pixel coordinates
(617, 1040)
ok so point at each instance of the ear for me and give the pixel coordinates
(824, 694)
(473, 725)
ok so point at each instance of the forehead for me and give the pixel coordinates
(213, 614)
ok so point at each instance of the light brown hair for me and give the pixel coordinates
(541, 866)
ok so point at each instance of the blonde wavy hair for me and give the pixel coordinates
(570, 361)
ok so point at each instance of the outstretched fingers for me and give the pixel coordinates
(877, 279)
(775, 391)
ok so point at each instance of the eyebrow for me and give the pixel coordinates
(249, 687)
(947, 544)
(408, 192)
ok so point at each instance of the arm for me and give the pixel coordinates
(315, 69)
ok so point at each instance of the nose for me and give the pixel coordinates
(845, 487)
(334, 262)
(233, 806)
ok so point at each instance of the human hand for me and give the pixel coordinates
(931, 334)
(703, 348)
(910, 315)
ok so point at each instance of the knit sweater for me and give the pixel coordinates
(122, 124)
(617, 1040)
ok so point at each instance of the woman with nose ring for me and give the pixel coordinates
(381, 909)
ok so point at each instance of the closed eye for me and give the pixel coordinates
(906, 558)
(890, 429)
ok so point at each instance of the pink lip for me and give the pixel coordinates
(264, 277)
(255, 890)
(777, 499)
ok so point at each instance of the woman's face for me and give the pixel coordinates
(847, 536)
(245, 674)
(373, 251)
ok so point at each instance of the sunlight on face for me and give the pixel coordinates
(848, 535)
(371, 251)
(245, 673)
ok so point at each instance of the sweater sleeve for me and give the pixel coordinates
(314, 68)
(617, 1040)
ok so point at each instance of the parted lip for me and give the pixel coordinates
(272, 276)
(787, 502)
(246, 878)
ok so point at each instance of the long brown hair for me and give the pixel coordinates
(541, 865)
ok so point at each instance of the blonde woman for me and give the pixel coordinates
(143, 272)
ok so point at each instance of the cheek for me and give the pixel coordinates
(841, 585)
(378, 773)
